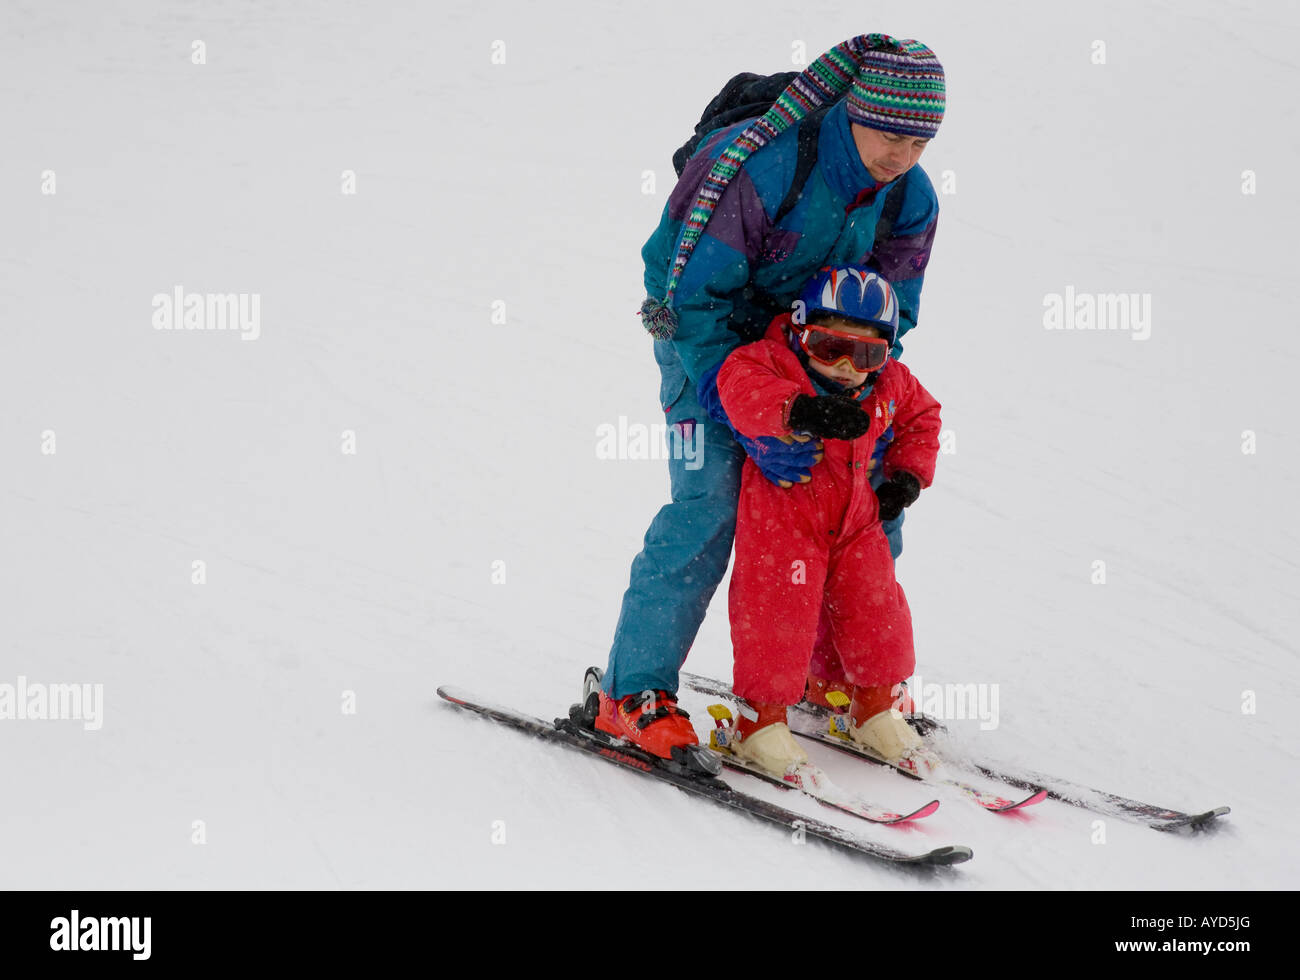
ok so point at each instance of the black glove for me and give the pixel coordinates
(899, 491)
(829, 416)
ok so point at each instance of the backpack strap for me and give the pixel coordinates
(805, 161)
(890, 211)
(885, 227)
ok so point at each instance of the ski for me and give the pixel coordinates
(812, 724)
(807, 778)
(1109, 804)
(837, 737)
(1053, 788)
(680, 773)
(812, 781)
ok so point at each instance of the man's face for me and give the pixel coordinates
(887, 156)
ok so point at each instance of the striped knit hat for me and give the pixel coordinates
(895, 85)
(899, 89)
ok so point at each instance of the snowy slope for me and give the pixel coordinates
(524, 183)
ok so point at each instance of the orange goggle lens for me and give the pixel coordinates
(830, 346)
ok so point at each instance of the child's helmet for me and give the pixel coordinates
(855, 293)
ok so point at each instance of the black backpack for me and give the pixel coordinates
(748, 96)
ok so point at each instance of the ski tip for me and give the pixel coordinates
(458, 695)
(946, 856)
(1031, 800)
(1195, 821)
(924, 811)
(1000, 804)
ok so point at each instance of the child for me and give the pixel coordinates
(815, 551)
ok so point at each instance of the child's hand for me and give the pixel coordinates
(829, 416)
(899, 491)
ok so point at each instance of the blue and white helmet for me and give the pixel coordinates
(855, 293)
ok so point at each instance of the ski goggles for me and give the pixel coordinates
(829, 346)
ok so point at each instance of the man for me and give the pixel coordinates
(723, 264)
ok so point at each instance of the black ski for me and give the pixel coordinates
(1109, 804)
(568, 731)
(1072, 794)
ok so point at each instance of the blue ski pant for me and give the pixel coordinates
(688, 544)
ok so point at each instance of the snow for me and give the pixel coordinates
(370, 574)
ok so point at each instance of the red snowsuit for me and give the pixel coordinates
(816, 551)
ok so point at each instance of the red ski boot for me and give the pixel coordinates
(818, 688)
(650, 720)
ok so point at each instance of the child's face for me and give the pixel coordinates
(842, 371)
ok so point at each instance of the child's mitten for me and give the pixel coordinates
(829, 416)
(899, 491)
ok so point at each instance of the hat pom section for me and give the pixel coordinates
(658, 318)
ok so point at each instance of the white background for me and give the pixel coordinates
(523, 183)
